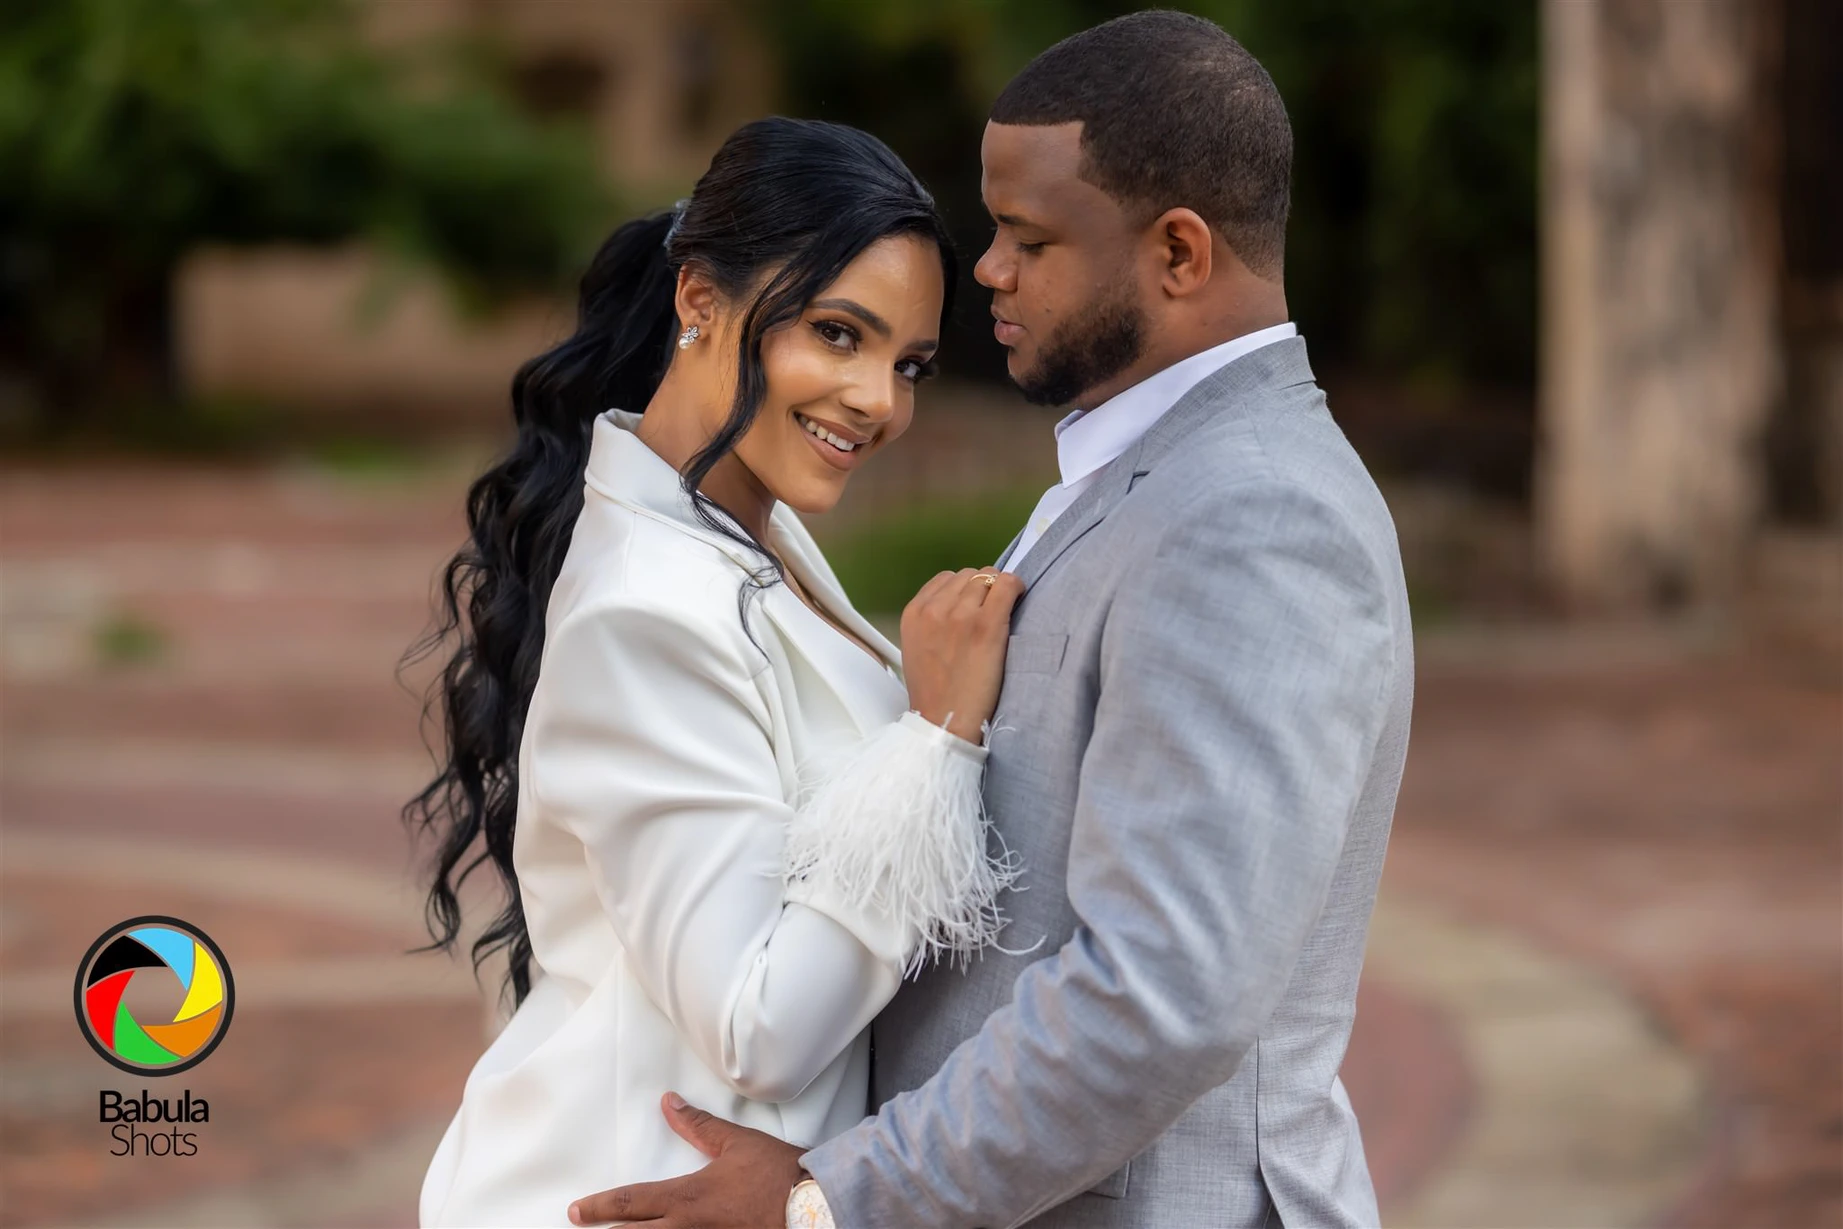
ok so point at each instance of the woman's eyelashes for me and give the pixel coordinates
(845, 338)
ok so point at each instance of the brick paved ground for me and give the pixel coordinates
(1664, 822)
(1680, 825)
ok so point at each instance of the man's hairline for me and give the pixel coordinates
(1084, 169)
(1152, 209)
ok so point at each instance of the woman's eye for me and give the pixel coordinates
(835, 334)
(915, 370)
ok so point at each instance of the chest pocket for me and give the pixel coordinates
(1035, 653)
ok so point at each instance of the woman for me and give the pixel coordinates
(734, 821)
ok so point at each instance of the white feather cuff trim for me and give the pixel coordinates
(891, 838)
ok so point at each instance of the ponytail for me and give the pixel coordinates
(520, 516)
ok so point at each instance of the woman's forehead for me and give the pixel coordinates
(899, 278)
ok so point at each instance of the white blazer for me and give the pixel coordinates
(729, 853)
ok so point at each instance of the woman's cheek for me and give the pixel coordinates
(799, 373)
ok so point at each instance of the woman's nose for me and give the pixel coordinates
(874, 398)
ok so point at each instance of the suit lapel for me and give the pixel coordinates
(1004, 556)
(1226, 391)
(1089, 509)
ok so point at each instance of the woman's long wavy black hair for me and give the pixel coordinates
(784, 207)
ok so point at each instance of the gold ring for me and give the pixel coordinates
(986, 579)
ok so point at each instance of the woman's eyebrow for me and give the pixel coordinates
(853, 307)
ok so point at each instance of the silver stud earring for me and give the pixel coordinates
(687, 337)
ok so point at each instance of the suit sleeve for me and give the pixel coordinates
(1243, 666)
(745, 913)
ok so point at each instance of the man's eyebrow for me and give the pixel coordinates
(1011, 219)
(853, 307)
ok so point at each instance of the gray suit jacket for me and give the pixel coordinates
(1198, 745)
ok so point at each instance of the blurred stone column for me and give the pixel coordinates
(1807, 453)
(1660, 348)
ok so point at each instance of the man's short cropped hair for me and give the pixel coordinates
(1174, 112)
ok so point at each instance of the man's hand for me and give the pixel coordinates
(745, 1185)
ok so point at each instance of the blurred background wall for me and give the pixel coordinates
(268, 238)
(1570, 273)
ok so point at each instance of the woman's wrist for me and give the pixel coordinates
(955, 724)
(953, 731)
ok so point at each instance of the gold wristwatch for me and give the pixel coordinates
(807, 1207)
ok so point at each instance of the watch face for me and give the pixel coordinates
(807, 1207)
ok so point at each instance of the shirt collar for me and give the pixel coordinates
(1088, 439)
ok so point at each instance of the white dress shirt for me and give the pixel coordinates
(1087, 440)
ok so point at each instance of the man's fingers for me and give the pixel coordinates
(642, 1201)
(651, 1200)
(701, 1129)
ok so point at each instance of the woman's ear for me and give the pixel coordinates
(1184, 244)
(695, 299)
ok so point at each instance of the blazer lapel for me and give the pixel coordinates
(840, 665)
(1004, 556)
(803, 556)
(1279, 365)
(1089, 509)
(1228, 392)
(631, 474)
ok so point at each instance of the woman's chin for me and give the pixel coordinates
(814, 498)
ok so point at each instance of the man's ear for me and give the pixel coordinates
(695, 299)
(1185, 246)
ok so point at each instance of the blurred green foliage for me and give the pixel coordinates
(133, 131)
(1411, 251)
(884, 562)
(127, 639)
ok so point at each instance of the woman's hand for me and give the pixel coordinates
(954, 635)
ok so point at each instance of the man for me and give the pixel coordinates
(1203, 723)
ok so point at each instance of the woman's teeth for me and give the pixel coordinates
(813, 428)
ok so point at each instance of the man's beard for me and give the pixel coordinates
(1090, 349)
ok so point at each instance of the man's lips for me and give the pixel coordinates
(1006, 332)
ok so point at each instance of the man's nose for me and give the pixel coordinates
(993, 271)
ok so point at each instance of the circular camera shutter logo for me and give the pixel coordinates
(166, 960)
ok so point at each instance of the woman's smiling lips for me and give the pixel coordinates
(837, 458)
